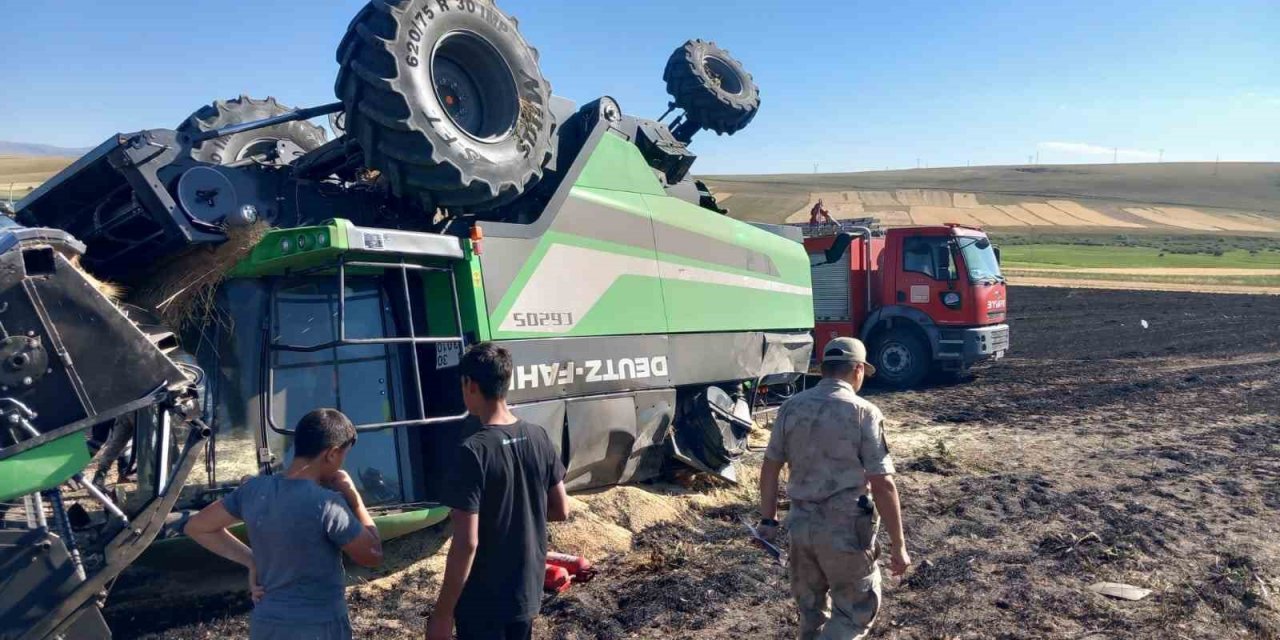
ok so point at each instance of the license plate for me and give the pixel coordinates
(999, 354)
(448, 354)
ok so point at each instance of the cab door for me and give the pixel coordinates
(929, 279)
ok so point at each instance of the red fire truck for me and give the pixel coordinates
(921, 298)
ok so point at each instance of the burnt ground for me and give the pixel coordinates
(1100, 450)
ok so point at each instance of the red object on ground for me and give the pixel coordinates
(556, 579)
(577, 567)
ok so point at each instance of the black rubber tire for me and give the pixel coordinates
(721, 97)
(228, 149)
(901, 358)
(393, 109)
(708, 435)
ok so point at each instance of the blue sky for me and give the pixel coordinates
(845, 85)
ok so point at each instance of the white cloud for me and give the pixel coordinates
(1093, 150)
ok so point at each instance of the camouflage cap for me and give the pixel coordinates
(848, 350)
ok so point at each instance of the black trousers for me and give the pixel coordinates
(491, 630)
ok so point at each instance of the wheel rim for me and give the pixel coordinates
(475, 86)
(723, 75)
(895, 359)
(259, 148)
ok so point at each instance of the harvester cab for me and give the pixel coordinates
(267, 271)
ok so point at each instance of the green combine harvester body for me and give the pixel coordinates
(644, 262)
(611, 304)
(353, 274)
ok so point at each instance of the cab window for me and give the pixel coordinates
(930, 255)
(355, 379)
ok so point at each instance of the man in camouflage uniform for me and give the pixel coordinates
(834, 443)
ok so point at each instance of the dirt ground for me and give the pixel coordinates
(1154, 271)
(1139, 285)
(1099, 450)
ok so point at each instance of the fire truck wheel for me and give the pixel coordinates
(277, 145)
(712, 87)
(901, 359)
(447, 101)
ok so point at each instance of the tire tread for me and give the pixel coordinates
(713, 109)
(378, 115)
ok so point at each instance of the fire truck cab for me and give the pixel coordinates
(921, 298)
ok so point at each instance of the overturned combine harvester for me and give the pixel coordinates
(266, 272)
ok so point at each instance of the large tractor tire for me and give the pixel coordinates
(901, 358)
(446, 99)
(712, 88)
(277, 145)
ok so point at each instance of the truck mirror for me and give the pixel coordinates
(996, 250)
(944, 262)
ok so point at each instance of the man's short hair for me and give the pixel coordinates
(322, 429)
(489, 366)
(837, 369)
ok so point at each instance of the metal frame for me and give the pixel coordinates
(127, 544)
(296, 114)
(830, 229)
(161, 394)
(413, 339)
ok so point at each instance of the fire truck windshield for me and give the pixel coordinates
(980, 259)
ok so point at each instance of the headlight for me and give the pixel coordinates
(951, 299)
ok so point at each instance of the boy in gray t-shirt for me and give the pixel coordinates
(299, 523)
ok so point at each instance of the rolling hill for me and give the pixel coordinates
(22, 173)
(33, 149)
(1174, 197)
(1226, 198)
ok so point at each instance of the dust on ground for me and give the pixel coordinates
(1100, 450)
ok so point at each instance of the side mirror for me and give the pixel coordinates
(997, 252)
(943, 262)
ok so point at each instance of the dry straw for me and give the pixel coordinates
(182, 291)
(110, 290)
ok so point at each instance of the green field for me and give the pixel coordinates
(1181, 243)
(1240, 281)
(1048, 256)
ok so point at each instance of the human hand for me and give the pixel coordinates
(440, 627)
(256, 592)
(340, 481)
(899, 559)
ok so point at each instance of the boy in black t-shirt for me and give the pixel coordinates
(506, 484)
